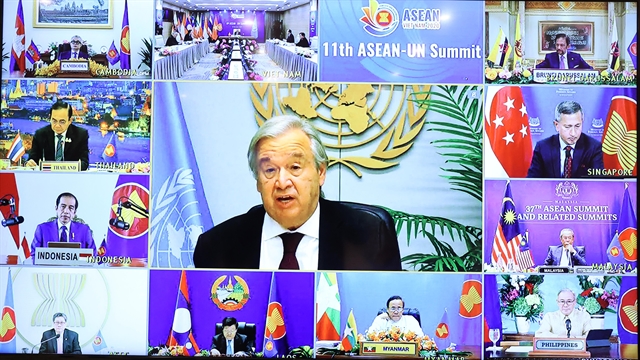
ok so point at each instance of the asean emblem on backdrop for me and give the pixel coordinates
(471, 299)
(138, 223)
(275, 322)
(230, 296)
(350, 117)
(628, 312)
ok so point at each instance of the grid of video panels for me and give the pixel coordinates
(444, 113)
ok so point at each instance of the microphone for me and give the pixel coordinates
(5, 202)
(15, 220)
(568, 324)
(42, 342)
(118, 221)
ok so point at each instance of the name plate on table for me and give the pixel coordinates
(63, 256)
(554, 270)
(565, 76)
(235, 55)
(74, 66)
(60, 166)
(559, 347)
(235, 70)
(384, 348)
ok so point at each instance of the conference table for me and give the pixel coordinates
(287, 59)
(183, 58)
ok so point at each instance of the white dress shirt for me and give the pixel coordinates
(553, 324)
(60, 224)
(272, 250)
(406, 323)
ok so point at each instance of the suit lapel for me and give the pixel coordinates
(330, 250)
(53, 232)
(68, 146)
(49, 145)
(578, 151)
(253, 234)
(555, 157)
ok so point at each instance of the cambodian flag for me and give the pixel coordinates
(8, 326)
(16, 150)
(125, 42)
(32, 53)
(181, 332)
(275, 332)
(113, 55)
(180, 209)
(110, 153)
(17, 61)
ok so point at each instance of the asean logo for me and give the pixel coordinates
(628, 312)
(230, 296)
(269, 345)
(471, 299)
(275, 321)
(379, 19)
(7, 325)
(629, 243)
(124, 40)
(442, 331)
(132, 197)
(110, 150)
(97, 341)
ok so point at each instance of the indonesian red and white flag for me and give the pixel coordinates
(508, 146)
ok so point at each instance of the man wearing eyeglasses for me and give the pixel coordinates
(75, 52)
(60, 340)
(60, 141)
(230, 343)
(567, 321)
(566, 254)
(394, 318)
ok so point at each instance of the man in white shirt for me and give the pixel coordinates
(567, 321)
(394, 318)
(295, 228)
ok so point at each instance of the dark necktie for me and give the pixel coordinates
(59, 153)
(63, 234)
(568, 162)
(562, 62)
(290, 243)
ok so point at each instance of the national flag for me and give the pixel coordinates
(620, 136)
(216, 28)
(471, 299)
(523, 254)
(25, 252)
(506, 250)
(628, 311)
(328, 307)
(113, 55)
(614, 251)
(633, 50)
(614, 50)
(492, 317)
(9, 189)
(442, 330)
(203, 26)
(178, 195)
(468, 324)
(518, 45)
(508, 136)
(17, 61)
(16, 150)
(628, 228)
(349, 337)
(181, 331)
(32, 53)
(98, 342)
(132, 242)
(275, 331)
(102, 250)
(125, 42)
(254, 26)
(110, 152)
(501, 50)
(8, 327)
(176, 22)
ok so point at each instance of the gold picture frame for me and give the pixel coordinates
(580, 32)
(70, 14)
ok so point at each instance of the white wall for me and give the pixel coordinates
(141, 25)
(297, 19)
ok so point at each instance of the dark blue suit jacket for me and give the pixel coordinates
(587, 154)
(76, 148)
(66, 55)
(69, 342)
(555, 253)
(552, 61)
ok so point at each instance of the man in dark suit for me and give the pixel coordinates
(290, 38)
(563, 58)
(295, 228)
(63, 229)
(566, 254)
(303, 42)
(75, 53)
(231, 343)
(568, 154)
(62, 141)
(60, 340)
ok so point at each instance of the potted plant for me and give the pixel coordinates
(520, 298)
(145, 53)
(596, 300)
(5, 56)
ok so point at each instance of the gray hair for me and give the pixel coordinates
(277, 126)
(566, 230)
(568, 108)
(59, 314)
(566, 290)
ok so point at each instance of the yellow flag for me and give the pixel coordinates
(501, 50)
(518, 46)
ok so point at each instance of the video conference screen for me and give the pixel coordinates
(323, 178)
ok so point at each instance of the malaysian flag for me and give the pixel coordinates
(510, 248)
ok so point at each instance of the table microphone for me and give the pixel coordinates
(568, 324)
(42, 342)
